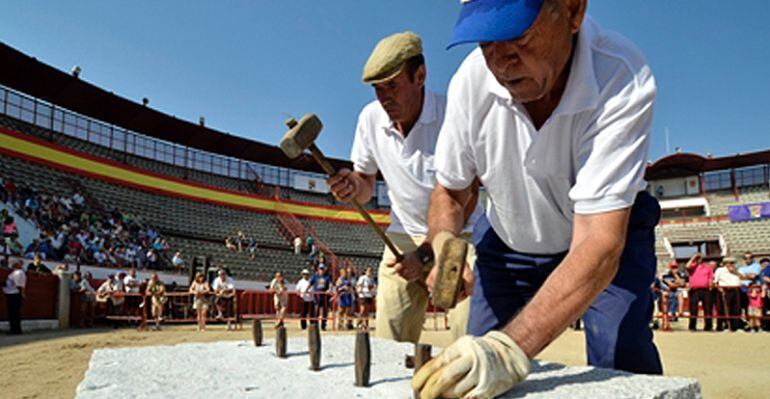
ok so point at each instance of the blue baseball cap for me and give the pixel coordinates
(493, 20)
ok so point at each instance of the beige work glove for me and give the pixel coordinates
(473, 367)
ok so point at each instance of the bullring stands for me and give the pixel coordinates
(197, 228)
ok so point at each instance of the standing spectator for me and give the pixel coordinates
(15, 293)
(671, 282)
(178, 262)
(701, 282)
(105, 293)
(157, 293)
(755, 294)
(280, 295)
(303, 289)
(764, 277)
(749, 272)
(200, 289)
(240, 241)
(297, 245)
(367, 289)
(224, 291)
(133, 288)
(344, 291)
(310, 243)
(252, 248)
(321, 284)
(37, 266)
(728, 283)
(86, 295)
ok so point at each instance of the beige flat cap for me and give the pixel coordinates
(389, 57)
(728, 259)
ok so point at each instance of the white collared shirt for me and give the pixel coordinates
(588, 157)
(16, 279)
(406, 163)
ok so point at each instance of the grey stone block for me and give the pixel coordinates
(238, 369)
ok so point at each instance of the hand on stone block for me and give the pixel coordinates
(473, 367)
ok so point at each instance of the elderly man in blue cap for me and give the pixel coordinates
(552, 114)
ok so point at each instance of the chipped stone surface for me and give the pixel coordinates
(237, 369)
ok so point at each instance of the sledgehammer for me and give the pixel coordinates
(300, 137)
(451, 252)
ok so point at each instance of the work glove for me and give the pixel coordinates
(473, 367)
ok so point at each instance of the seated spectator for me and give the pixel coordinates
(728, 282)
(15, 292)
(78, 199)
(14, 246)
(200, 291)
(230, 245)
(224, 291)
(152, 259)
(100, 257)
(86, 294)
(178, 262)
(157, 293)
(9, 228)
(37, 266)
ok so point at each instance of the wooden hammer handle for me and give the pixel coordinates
(327, 167)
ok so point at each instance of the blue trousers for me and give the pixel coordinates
(617, 328)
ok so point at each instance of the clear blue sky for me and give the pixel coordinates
(245, 65)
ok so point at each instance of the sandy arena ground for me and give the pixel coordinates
(51, 364)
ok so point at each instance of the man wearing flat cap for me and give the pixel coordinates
(396, 135)
(552, 114)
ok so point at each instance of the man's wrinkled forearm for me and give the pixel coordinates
(566, 294)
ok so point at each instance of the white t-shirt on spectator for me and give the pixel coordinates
(226, 284)
(367, 289)
(723, 278)
(406, 163)
(177, 260)
(100, 257)
(15, 280)
(303, 288)
(588, 157)
(129, 282)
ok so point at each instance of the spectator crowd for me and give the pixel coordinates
(74, 232)
(737, 297)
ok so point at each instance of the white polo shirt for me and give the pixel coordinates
(723, 278)
(405, 163)
(588, 157)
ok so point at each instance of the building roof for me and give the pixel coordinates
(688, 164)
(28, 75)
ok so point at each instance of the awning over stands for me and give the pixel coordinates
(28, 75)
(687, 164)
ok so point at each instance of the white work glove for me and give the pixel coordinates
(473, 367)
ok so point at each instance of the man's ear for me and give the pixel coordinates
(419, 75)
(576, 11)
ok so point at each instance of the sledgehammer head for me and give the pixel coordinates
(451, 261)
(301, 135)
